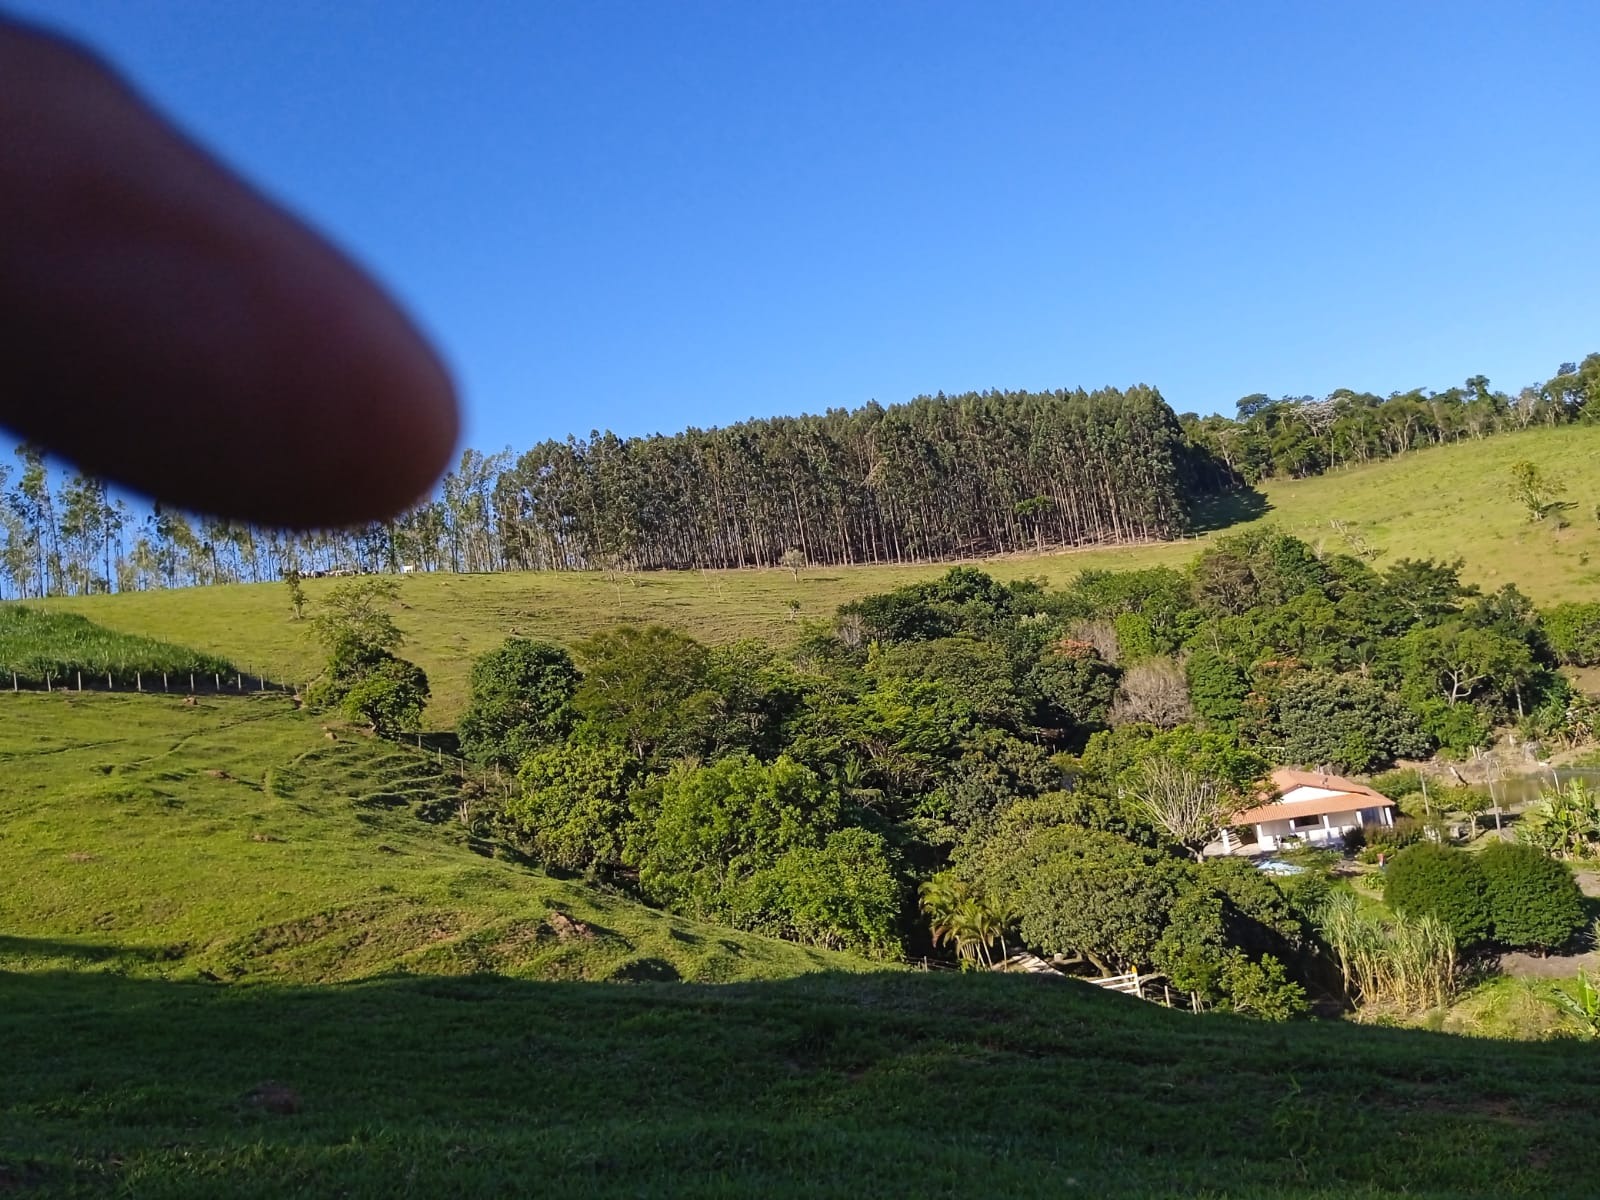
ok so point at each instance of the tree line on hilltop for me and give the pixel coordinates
(1297, 436)
(941, 477)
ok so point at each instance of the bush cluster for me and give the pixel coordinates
(1512, 895)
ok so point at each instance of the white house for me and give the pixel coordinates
(1309, 805)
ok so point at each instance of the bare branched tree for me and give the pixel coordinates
(1099, 633)
(1153, 693)
(1189, 805)
(618, 572)
(852, 630)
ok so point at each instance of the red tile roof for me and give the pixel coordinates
(1348, 797)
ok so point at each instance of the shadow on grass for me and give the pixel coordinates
(884, 1084)
(48, 948)
(435, 743)
(1231, 508)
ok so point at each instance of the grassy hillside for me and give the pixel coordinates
(40, 648)
(232, 839)
(1446, 502)
(239, 958)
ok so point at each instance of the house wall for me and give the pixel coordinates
(1330, 831)
(1253, 839)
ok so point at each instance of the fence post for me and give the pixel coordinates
(216, 678)
(238, 682)
(13, 681)
(163, 681)
(48, 681)
(138, 681)
(191, 683)
(80, 681)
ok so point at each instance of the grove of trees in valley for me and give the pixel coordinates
(982, 765)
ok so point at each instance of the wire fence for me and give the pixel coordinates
(192, 683)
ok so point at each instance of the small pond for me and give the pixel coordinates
(1513, 791)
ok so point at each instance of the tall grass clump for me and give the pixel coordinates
(1408, 963)
(37, 647)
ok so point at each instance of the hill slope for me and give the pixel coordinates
(235, 959)
(1445, 502)
(233, 839)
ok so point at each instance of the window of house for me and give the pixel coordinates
(1305, 822)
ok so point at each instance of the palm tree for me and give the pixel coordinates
(964, 918)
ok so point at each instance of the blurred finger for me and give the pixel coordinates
(166, 326)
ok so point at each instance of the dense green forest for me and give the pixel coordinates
(938, 478)
(941, 477)
(986, 764)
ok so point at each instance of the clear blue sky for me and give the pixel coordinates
(649, 215)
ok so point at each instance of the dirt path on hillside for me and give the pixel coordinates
(1556, 966)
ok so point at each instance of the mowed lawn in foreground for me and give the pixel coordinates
(1447, 502)
(886, 1084)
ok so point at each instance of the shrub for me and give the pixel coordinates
(1224, 938)
(573, 806)
(1573, 632)
(844, 895)
(388, 696)
(714, 826)
(1135, 638)
(1217, 687)
(1110, 910)
(1262, 988)
(1456, 727)
(1346, 720)
(1074, 687)
(520, 700)
(1397, 783)
(1533, 900)
(648, 689)
(1306, 892)
(1387, 839)
(1426, 879)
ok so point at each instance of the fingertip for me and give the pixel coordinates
(168, 326)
